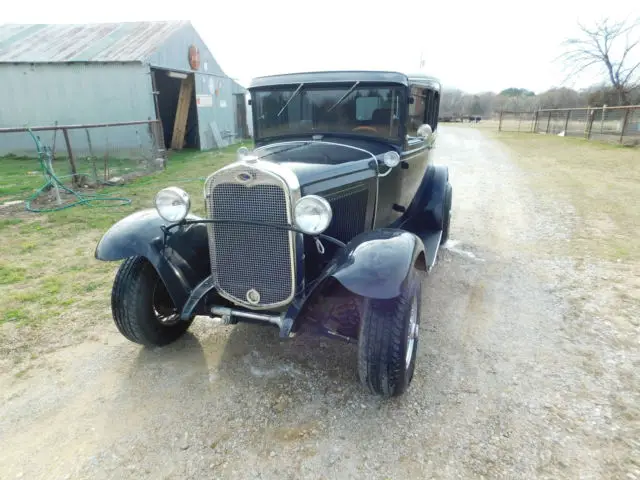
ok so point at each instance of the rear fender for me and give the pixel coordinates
(378, 264)
(181, 264)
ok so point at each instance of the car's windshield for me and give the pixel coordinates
(360, 110)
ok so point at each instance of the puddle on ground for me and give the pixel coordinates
(454, 246)
(259, 368)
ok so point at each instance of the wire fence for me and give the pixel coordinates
(89, 155)
(609, 124)
(76, 162)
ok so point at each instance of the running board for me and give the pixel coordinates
(431, 242)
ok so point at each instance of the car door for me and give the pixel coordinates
(414, 162)
(398, 189)
(390, 181)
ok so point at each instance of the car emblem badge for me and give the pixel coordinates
(244, 177)
(253, 296)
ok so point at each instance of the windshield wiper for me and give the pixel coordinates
(344, 96)
(290, 98)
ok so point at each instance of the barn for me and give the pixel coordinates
(111, 73)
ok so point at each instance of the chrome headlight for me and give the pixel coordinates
(312, 214)
(172, 204)
(391, 159)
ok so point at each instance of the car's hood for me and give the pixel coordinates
(321, 165)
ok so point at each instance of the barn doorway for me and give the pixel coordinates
(178, 115)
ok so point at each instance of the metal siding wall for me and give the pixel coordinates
(174, 55)
(221, 112)
(42, 94)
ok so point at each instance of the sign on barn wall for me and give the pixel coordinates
(194, 57)
(203, 100)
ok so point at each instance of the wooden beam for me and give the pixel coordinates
(72, 160)
(182, 112)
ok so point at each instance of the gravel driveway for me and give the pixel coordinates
(508, 385)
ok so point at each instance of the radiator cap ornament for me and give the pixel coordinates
(253, 296)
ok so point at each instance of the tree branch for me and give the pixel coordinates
(596, 45)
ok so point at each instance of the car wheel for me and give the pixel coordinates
(388, 340)
(141, 306)
(446, 217)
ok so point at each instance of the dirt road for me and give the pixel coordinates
(519, 374)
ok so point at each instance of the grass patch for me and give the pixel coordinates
(48, 273)
(9, 222)
(51, 285)
(14, 315)
(10, 275)
(601, 181)
(26, 247)
(29, 297)
(19, 177)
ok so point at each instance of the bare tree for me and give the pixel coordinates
(609, 46)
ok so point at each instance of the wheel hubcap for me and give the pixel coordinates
(165, 313)
(413, 330)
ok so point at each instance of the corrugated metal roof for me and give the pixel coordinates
(98, 42)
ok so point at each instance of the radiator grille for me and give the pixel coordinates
(349, 213)
(250, 257)
(349, 217)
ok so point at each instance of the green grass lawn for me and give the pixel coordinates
(601, 181)
(48, 273)
(19, 177)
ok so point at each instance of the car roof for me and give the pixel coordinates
(347, 76)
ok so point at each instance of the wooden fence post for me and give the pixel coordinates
(72, 161)
(566, 122)
(591, 116)
(548, 122)
(624, 123)
(519, 120)
(500, 124)
(535, 122)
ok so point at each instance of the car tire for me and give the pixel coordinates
(141, 307)
(385, 338)
(446, 217)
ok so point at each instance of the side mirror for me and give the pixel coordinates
(425, 131)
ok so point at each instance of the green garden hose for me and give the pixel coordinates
(52, 181)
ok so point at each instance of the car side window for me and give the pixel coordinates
(417, 111)
(424, 109)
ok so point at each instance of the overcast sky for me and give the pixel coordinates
(472, 45)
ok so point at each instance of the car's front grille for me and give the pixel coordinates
(245, 258)
(349, 213)
(349, 208)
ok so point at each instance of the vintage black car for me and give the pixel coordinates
(326, 226)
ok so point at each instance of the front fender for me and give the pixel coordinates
(377, 264)
(181, 264)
